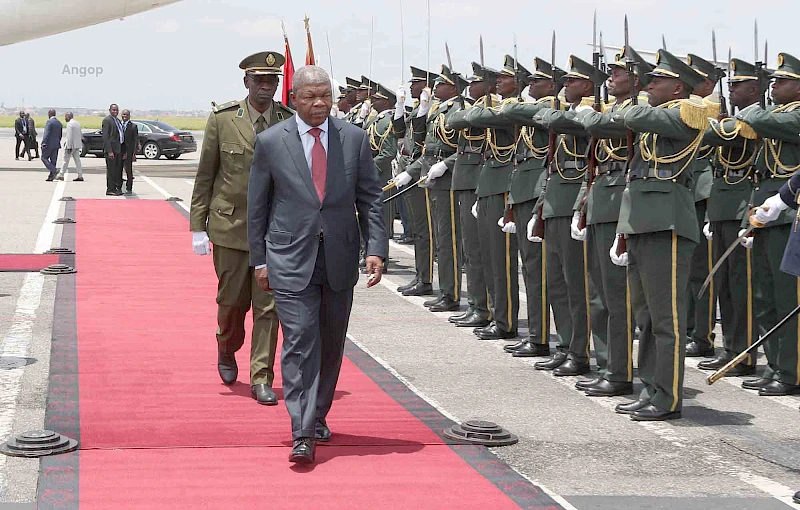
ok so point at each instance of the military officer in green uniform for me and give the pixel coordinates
(466, 164)
(613, 323)
(383, 142)
(416, 202)
(567, 269)
(779, 159)
(701, 312)
(342, 106)
(219, 214)
(658, 218)
(499, 251)
(439, 143)
(351, 96)
(736, 149)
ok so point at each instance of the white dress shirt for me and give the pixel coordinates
(308, 140)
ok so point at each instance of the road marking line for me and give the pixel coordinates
(161, 190)
(190, 182)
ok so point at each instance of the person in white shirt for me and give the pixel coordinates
(72, 147)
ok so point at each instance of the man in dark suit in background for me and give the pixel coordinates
(21, 135)
(129, 148)
(32, 134)
(112, 148)
(51, 143)
(308, 174)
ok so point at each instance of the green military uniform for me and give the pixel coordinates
(734, 161)
(465, 164)
(612, 322)
(439, 143)
(499, 251)
(701, 311)
(776, 294)
(567, 265)
(219, 207)
(658, 217)
(416, 199)
(383, 143)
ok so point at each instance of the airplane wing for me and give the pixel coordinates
(24, 20)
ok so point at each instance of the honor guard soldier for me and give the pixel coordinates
(736, 148)
(351, 96)
(383, 142)
(219, 214)
(613, 322)
(415, 200)
(342, 106)
(567, 270)
(659, 222)
(439, 143)
(466, 167)
(363, 110)
(775, 188)
(498, 241)
(701, 311)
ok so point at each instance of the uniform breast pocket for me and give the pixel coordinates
(232, 157)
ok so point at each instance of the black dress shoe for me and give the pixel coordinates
(430, 302)
(532, 350)
(494, 332)
(756, 384)
(610, 389)
(303, 451)
(696, 350)
(477, 331)
(585, 384)
(419, 289)
(556, 361)
(263, 394)
(445, 305)
(716, 363)
(109, 193)
(653, 413)
(408, 285)
(631, 407)
(118, 193)
(321, 431)
(514, 346)
(476, 320)
(741, 370)
(227, 368)
(779, 389)
(461, 316)
(571, 368)
(796, 497)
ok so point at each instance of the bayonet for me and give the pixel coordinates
(755, 40)
(516, 70)
(594, 32)
(481, 50)
(663, 43)
(723, 105)
(449, 60)
(604, 66)
(402, 49)
(371, 48)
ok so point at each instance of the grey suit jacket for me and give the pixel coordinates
(285, 216)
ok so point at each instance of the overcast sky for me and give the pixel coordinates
(186, 55)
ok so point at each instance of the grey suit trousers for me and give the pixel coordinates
(314, 322)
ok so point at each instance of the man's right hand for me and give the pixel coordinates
(200, 243)
(263, 278)
(402, 179)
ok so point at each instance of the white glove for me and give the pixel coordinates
(579, 234)
(621, 260)
(747, 242)
(770, 209)
(402, 179)
(437, 170)
(200, 243)
(424, 102)
(400, 105)
(532, 238)
(509, 228)
(395, 167)
(364, 111)
(707, 231)
(475, 209)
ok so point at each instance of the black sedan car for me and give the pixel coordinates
(156, 139)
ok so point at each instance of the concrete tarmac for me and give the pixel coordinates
(732, 449)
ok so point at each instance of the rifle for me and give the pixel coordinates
(538, 225)
(622, 244)
(760, 66)
(593, 142)
(508, 214)
(723, 105)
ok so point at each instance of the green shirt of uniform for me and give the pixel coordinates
(383, 142)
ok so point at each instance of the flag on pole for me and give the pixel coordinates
(310, 60)
(288, 70)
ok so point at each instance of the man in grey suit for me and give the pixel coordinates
(51, 143)
(310, 174)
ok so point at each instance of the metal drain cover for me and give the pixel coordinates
(58, 269)
(60, 221)
(480, 432)
(38, 443)
(57, 250)
(66, 199)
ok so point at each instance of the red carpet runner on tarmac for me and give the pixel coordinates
(25, 262)
(133, 377)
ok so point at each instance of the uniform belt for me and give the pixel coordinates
(572, 165)
(472, 151)
(607, 168)
(321, 237)
(440, 153)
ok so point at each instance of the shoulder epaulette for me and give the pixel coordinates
(694, 112)
(283, 112)
(216, 108)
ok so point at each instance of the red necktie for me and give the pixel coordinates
(319, 163)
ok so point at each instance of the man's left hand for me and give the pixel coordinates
(374, 270)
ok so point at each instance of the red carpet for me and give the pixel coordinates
(159, 430)
(25, 262)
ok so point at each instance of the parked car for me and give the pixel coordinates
(156, 139)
